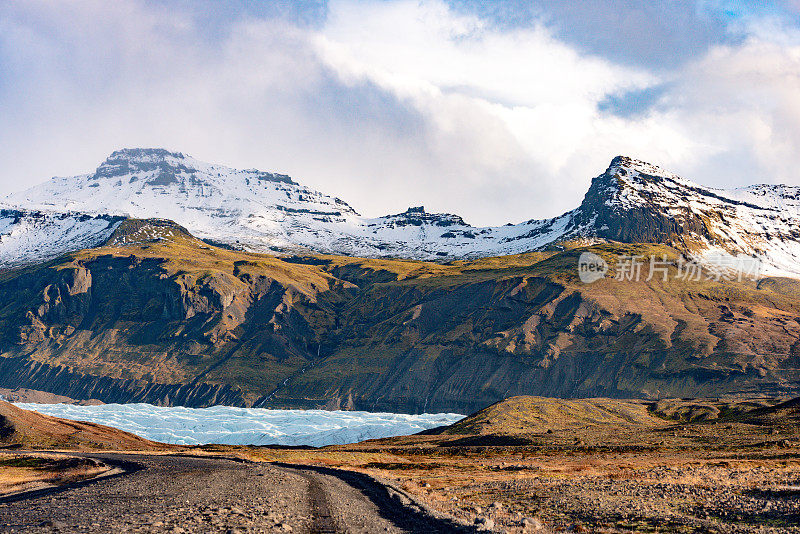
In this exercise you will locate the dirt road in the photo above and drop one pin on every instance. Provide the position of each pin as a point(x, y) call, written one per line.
point(187, 494)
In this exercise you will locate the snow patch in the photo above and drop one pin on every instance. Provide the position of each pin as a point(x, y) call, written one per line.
point(31, 236)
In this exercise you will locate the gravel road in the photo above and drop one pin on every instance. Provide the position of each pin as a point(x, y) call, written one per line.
point(188, 494)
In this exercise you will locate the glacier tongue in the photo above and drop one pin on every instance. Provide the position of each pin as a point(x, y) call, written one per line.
point(246, 426)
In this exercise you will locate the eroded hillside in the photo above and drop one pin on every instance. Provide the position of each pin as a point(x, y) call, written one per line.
point(158, 316)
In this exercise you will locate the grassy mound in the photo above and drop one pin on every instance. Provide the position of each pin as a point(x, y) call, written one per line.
point(531, 415)
point(26, 429)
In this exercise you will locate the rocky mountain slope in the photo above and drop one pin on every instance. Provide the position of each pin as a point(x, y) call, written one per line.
point(156, 315)
point(635, 202)
point(632, 202)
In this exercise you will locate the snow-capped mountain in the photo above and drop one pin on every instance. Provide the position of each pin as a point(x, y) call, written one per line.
point(259, 211)
point(632, 201)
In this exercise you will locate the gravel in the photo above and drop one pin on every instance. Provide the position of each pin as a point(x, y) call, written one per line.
point(181, 494)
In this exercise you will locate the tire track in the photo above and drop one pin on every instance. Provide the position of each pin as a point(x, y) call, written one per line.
point(319, 504)
point(339, 512)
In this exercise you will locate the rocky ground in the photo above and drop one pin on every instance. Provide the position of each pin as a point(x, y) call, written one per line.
point(612, 493)
point(179, 494)
point(540, 467)
point(499, 489)
point(524, 465)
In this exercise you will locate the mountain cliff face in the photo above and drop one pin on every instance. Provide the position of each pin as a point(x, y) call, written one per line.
point(635, 202)
point(158, 316)
point(631, 202)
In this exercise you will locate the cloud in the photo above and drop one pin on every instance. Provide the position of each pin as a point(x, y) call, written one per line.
point(524, 103)
point(642, 33)
point(740, 104)
point(391, 104)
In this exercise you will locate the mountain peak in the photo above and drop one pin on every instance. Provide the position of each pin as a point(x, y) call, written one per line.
point(139, 154)
point(417, 216)
point(628, 181)
point(141, 231)
point(625, 165)
point(160, 165)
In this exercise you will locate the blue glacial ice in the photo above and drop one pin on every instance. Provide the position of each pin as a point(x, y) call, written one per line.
point(247, 426)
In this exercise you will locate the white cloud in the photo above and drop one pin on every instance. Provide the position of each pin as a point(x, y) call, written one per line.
point(739, 106)
point(516, 106)
point(387, 104)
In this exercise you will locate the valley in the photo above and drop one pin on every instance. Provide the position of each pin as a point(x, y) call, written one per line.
point(654, 396)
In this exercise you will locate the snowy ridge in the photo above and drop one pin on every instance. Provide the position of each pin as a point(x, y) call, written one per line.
point(632, 201)
point(247, 426)
point(761, 221)
point(28, 236)
point(266, 212)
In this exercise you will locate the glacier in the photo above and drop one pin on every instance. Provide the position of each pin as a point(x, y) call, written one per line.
point(246, 426)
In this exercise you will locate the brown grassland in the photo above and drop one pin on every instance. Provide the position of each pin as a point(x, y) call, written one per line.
point(533, 464)
point(596, 465)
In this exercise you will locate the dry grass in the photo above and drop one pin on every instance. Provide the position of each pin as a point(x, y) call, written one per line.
point(182, 254)
point(527, 414)
point(604, 466)
point(24, 472)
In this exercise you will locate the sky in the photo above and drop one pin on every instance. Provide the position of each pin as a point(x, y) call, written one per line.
point(498, 111)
